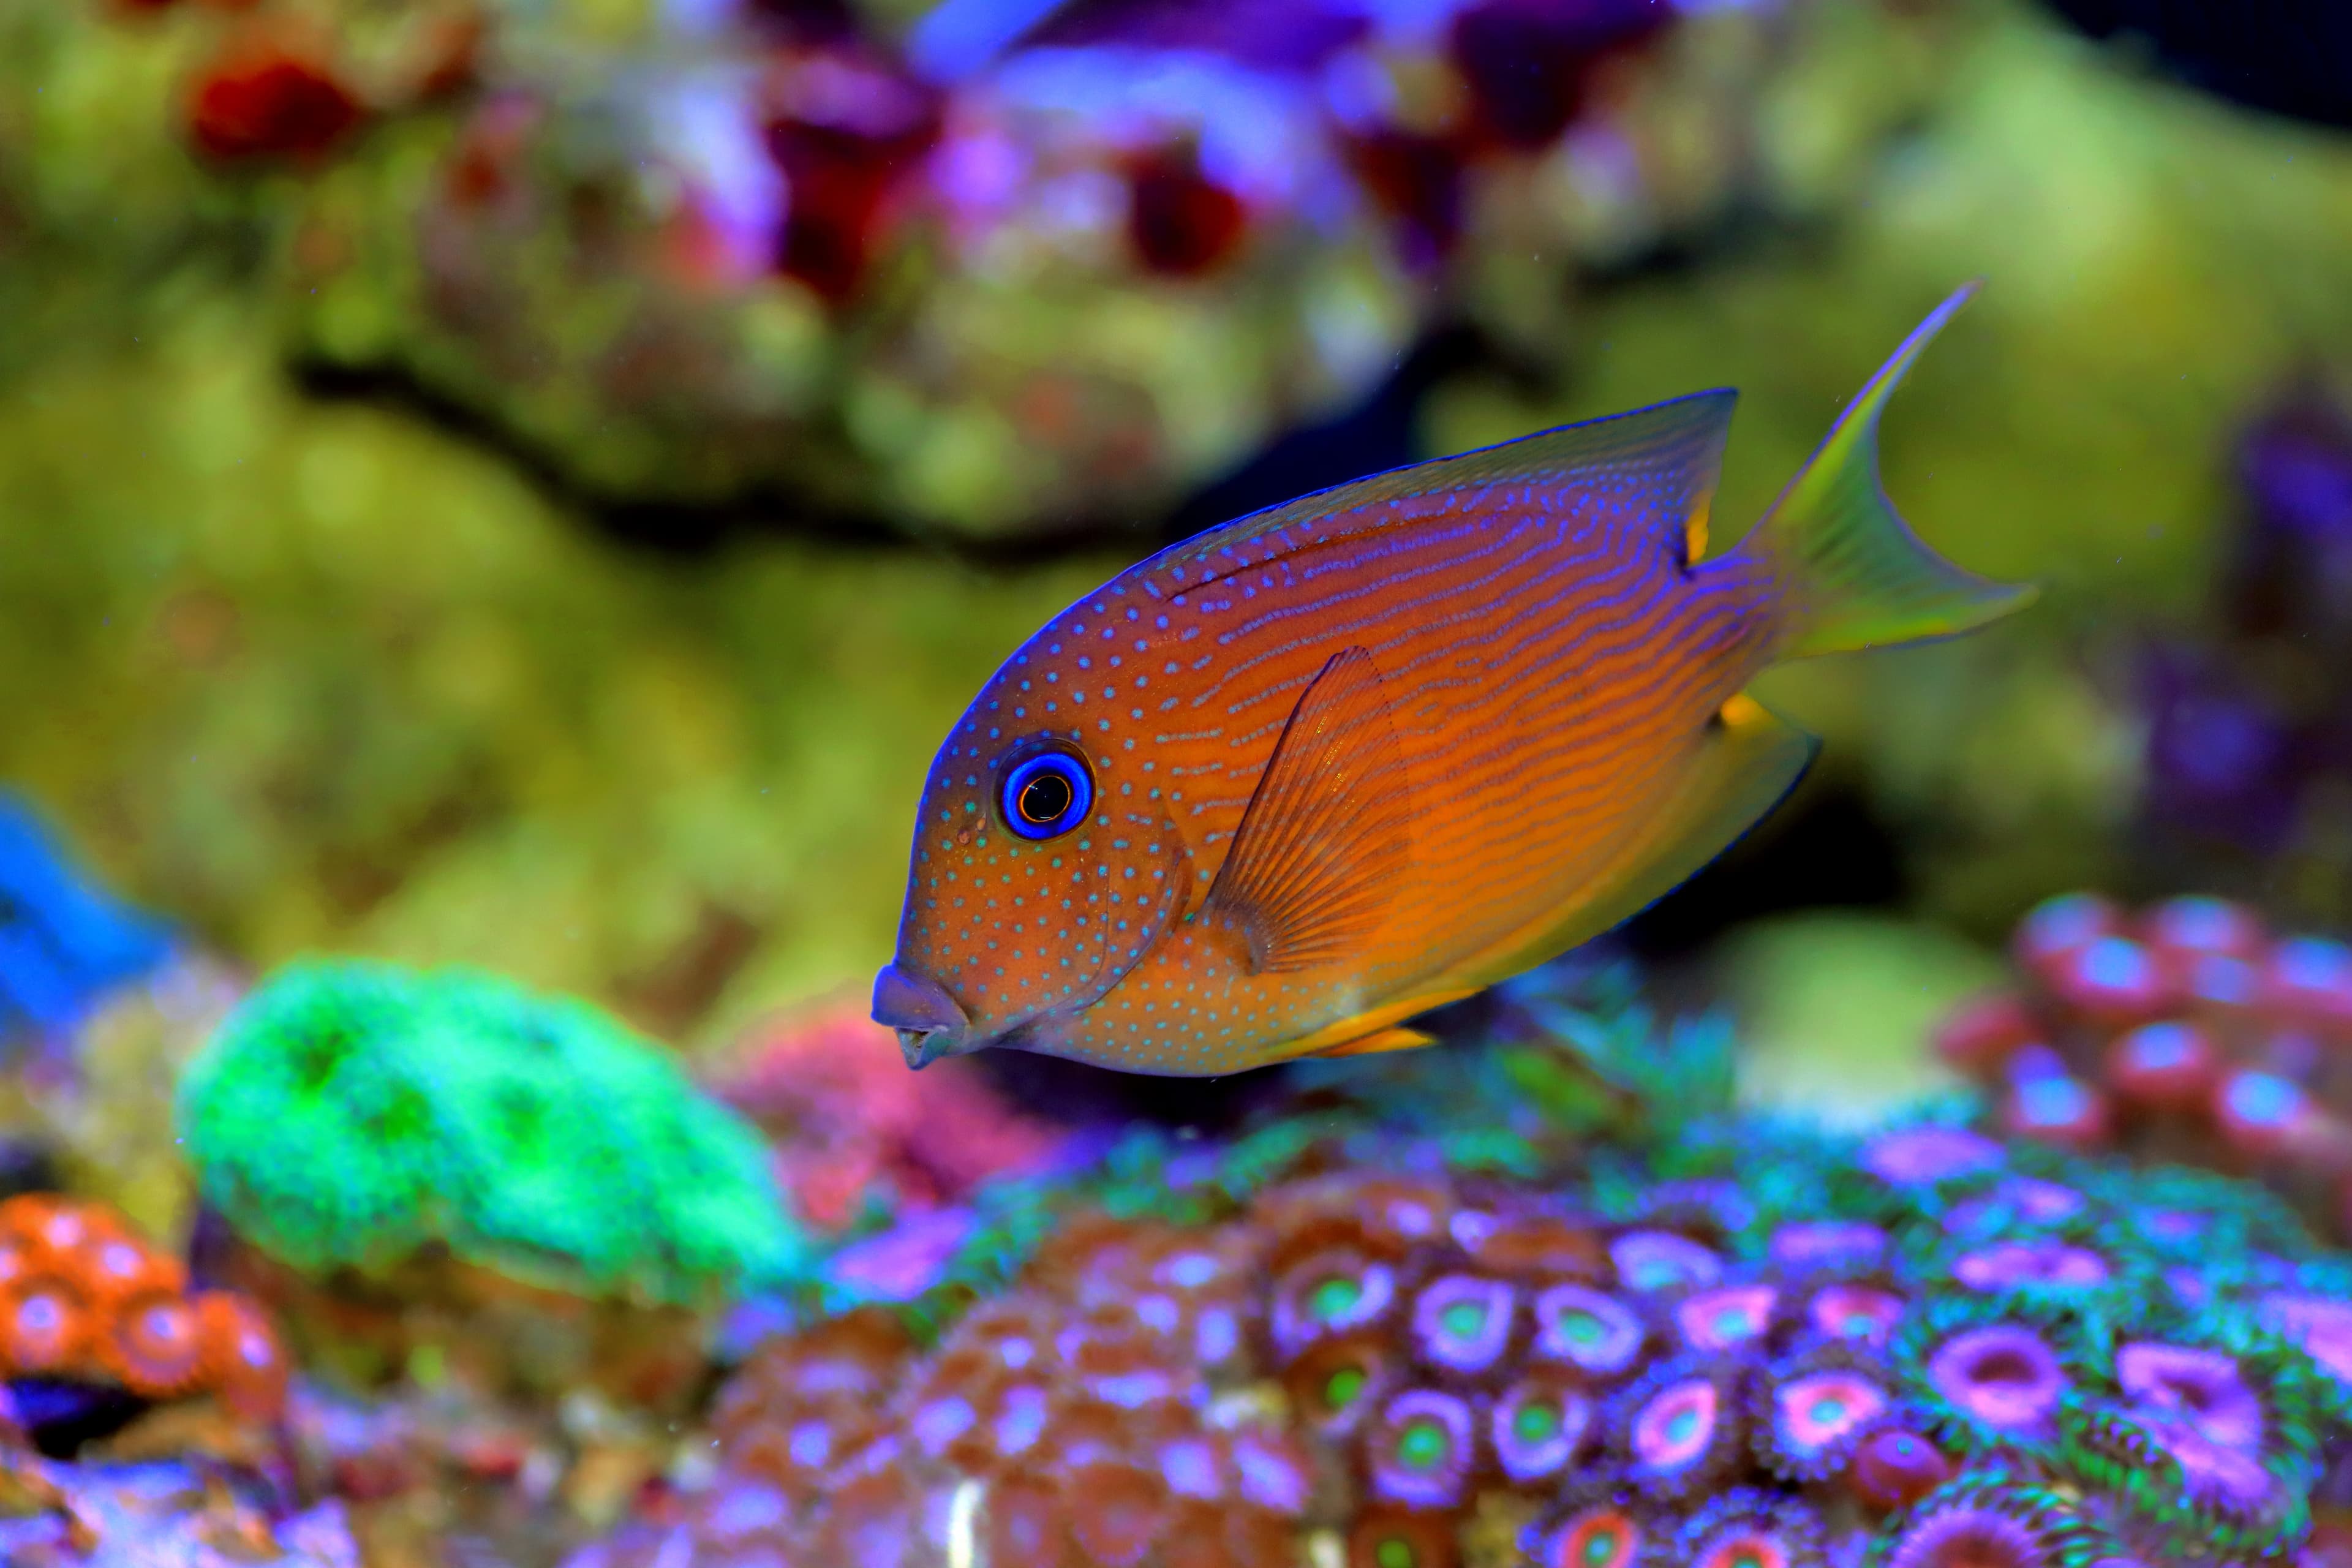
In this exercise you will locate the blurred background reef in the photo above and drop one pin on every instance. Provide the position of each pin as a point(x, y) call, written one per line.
point(500, 499)
point(529, 484)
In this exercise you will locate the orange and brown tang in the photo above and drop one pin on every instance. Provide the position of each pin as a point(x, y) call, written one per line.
point(1282, 787)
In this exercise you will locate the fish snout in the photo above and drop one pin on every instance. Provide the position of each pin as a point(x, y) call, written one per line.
point(929, 1023)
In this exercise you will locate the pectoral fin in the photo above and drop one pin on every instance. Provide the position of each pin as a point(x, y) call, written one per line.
point(1315, 861)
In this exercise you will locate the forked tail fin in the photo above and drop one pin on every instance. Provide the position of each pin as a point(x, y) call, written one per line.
point(1850, 573)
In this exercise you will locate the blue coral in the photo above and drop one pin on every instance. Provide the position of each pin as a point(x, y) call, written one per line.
point(63, 941)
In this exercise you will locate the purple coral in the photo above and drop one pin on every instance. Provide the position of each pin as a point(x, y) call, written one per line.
point(2003, 1377)
point(1539, 1428)
point(1818, 1417)
point(1677, 1429)
point(2205, 1389)
point(2046, 1263)
point(1969, 1534)
point(1725, 1318)
point(1421, 1453)
point(1588, 1330)
point(1747, 1528)
point(1657, 1261)
point(1861, 1314)
point(2322, 1325)
point(1606, 1531)
point(1929, 1156)
point(1330, 1294)
point(1463, 1324)
point(1832, 1244)
point(2216, 1476)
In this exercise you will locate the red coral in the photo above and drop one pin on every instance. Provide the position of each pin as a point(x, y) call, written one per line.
point(46, 1327)
point(82, 1297)
point(243, 1360)
point(1179, 221)
point(2185, 1032)
point(1072, 1413)
point(264, 97)
point(832, 1088)
point(847, 129)
point(155, 1347)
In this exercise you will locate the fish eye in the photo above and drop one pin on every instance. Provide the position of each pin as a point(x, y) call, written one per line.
point(1046, 795)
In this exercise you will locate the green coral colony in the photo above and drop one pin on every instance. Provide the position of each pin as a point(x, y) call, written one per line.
point(351, 1115)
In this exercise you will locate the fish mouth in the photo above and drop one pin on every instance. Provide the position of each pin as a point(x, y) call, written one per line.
point(930, 1024)
point(921, 1048)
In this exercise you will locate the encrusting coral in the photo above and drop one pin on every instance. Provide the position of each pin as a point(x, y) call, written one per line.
point(2185, 1032)
point(1753, 1347)
point(446, 1162)
point(85, 1301)
point(353, 1113)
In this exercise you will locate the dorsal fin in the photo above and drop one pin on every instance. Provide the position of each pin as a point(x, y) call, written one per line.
point(1665, 458)
point(1322, 848)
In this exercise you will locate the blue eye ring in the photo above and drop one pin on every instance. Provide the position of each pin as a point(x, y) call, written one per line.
point(1047, 794)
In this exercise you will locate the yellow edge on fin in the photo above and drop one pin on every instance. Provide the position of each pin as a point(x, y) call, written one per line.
point(1371, 1021)
point(1751, 759)
point(1386, 1040)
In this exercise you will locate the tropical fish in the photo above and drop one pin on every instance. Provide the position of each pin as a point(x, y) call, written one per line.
point(1283, 786)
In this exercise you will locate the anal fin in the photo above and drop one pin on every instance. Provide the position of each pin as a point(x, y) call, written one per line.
point(1750, 760)
point(1384, 1040)
point(1334, 1039)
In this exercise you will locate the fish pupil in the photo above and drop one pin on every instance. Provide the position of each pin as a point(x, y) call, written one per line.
point(1044, 798)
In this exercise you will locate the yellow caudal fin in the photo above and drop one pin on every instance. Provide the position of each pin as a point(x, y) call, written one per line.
point(1850, 573)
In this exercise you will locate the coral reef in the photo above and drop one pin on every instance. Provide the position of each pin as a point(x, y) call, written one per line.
point(93, 1319)
point(379, 1139)
point(991, 271)
point(1750, 1345)
point(406, 704)
point(1092, 1413)
point(148, 1515)
point(2186, 1032)
point(854, 1128)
